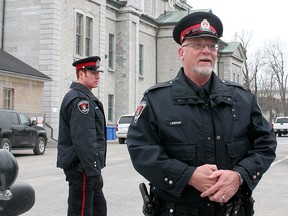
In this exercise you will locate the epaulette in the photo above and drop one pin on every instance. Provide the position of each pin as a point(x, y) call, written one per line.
point(159, 85)
point(231, 83)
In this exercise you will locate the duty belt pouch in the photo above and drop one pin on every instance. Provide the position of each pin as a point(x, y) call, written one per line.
point(150, 203)
point(248, 205)
point(229, 209)
point(234, 206)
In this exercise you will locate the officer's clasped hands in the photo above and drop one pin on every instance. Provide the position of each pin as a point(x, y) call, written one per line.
point(214, 183)
point(226, 186)
point(201, 177)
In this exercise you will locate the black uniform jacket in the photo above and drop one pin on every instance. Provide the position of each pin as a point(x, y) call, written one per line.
point(174, 132)
point(82, 131)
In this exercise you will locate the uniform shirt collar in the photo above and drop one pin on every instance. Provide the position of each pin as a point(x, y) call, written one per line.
point(181, 88)
point(84, 89)
point(206, 86)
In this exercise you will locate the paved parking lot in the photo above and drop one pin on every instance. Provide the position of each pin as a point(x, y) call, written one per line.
point(121, 183)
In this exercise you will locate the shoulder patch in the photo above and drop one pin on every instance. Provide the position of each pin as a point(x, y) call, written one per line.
point(83, 106)
point(139, 111)
point(159, 85)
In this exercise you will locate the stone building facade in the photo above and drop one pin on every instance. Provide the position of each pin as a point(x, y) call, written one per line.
point(21, 86)
point(133, 39)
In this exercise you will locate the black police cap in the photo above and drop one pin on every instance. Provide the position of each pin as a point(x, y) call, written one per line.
point(89, 63)
point(198, 24)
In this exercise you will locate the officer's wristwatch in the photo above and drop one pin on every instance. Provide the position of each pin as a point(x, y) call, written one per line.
point(240, 177)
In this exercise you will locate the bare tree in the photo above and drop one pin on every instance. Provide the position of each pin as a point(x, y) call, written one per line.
point(255, 64)
point(276, 62)
point(267, 101)
point(244, 38)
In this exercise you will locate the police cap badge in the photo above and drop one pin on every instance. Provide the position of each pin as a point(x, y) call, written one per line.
point(198, 24)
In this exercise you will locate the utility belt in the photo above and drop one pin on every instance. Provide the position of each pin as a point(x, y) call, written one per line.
point(183, 209)
point(215, 209)
point(238, 205)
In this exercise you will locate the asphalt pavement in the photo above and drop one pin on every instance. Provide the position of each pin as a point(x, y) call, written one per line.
point(121, 183)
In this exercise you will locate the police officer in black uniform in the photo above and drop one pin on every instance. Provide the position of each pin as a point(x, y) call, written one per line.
point(201, 142)
point(82, 141)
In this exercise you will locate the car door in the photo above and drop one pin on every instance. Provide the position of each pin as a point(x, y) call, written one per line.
point(24, 133)
point(5, 129)
point(29, 133)
point(16, 128)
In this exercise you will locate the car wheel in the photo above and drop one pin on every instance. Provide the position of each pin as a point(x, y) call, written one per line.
point(40, 146)
point(121, 140)
point(5, 144)
point(279, 134)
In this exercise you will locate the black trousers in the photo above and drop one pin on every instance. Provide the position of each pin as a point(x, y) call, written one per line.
point(81, 200)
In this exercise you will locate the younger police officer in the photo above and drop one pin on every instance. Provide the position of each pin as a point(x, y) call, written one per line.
point(202, 143)
point(82, 142)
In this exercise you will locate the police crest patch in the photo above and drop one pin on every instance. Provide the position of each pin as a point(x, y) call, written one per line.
point(83, 106)
point(139, 111)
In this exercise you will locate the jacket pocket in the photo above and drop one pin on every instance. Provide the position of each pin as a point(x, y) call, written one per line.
point(180, 151)
point(238, 148)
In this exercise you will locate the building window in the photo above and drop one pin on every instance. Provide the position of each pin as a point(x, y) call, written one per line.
point(88, 36)
point(141, 60)
point(111, 57)
point(84, 35)
point(79, 34)
point(110, 107)
point(8, 96)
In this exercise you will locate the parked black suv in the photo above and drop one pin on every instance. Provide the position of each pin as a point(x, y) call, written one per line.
point(18, 132)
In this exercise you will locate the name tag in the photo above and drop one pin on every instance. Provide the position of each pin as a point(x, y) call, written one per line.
point(175, 123)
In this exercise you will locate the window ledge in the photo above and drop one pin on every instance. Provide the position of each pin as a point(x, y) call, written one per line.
point(111, 70)
point(141, 76)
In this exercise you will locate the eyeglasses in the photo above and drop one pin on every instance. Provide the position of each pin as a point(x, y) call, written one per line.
point(200, 46)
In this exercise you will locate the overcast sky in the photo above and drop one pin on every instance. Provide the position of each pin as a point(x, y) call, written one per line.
point(267, 20)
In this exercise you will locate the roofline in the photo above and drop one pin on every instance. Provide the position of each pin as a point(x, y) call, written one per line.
point(149, 19)
point(24, 76)
point(117, 4)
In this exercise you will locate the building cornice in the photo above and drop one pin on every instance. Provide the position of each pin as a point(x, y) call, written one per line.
point(117, 4)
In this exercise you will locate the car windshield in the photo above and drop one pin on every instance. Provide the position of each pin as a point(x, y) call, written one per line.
point(125, 119)
point(282, 120)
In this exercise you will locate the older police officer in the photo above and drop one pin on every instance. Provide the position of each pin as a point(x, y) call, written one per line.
point(202, 143)
point(82, 141)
